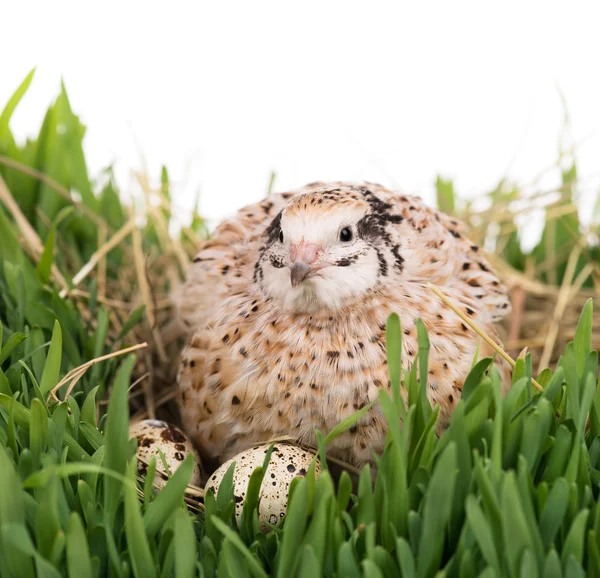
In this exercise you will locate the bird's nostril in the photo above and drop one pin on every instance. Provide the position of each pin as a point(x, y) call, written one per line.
point(310, 253)
point(305, 252)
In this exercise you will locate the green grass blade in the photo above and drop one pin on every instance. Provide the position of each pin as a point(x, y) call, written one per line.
point(515, 529)
point(185, 545)
point(12, 514)
point(475, 376)
point(252, 563)
point(17, 551)
point(22, 419)
point(14, 101)
point(136, 316)
point(139, 548)
point(583, 336)
point(405, 557)
point(38, 430)
point(231, 562)
point(347, 423)
point(53, 360)
point(552, 566)
point(554, 511)
point(310, 567)
point(117, 436)
point(346, 562)
point(574, 543)
point(11, 344)
point(394, 360)
point(371, 569)
point(482, 532)
point(91, 434)
point(436, 511)
point(424, 345)
point(169, 498)
point(44, 265)
point(445, 195)
point(295, 526)
point(88, 409)
point(78, 556)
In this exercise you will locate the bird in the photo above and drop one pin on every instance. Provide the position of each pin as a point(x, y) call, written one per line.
point(286, 308)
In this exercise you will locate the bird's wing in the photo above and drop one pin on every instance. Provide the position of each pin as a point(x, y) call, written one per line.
point(225, 260)
point(436, 250)
point(472, 271)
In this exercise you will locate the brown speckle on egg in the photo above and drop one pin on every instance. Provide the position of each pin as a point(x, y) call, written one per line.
point(155, 435)
point(287, 462)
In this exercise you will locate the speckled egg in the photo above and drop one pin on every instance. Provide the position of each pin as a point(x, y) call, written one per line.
point(153, 435)
point(287, 462)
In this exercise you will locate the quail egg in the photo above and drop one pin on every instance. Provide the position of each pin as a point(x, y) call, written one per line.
point(287, 462)
point(153, 435)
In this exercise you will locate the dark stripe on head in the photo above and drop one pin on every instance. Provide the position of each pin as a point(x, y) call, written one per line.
point(372, 227)
point(346, 261)
point(274, 229)
point(383, 266)
point(399, 259)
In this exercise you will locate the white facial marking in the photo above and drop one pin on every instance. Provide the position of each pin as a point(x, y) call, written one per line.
point(342, 269)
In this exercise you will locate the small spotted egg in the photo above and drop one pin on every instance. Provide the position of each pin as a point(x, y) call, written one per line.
point(287, 462)
point(153, 435)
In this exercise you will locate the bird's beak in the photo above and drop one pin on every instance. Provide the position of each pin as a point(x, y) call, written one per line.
point(299, 271)
point(305, 262)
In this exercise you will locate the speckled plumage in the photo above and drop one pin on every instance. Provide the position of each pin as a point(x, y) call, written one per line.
point(267, 358)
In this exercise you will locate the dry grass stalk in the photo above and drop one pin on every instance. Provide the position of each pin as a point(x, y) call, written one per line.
point(148, 389)
point(137, 382)
point(582, 244)
point(518, 306)
point(545, 315)
point(101, 277)
point(131, 392)
point(50, 182)
point(480, 332)
point(119, 290)
point(33, 244)
point(561, 302)
point(568, 291)
point(168, 395)
point(545, 305)
point(117, 304)
point(146, 292)
point(162, 226)
point(115, 240)
point(506, 220)
point(75, 375)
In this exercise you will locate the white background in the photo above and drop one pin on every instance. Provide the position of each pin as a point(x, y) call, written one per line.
point(396, 92)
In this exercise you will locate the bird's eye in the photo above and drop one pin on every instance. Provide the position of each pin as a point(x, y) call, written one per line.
point(281, 236)
point(346, 235)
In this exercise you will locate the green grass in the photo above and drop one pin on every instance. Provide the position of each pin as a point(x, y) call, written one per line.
point(510, 489)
